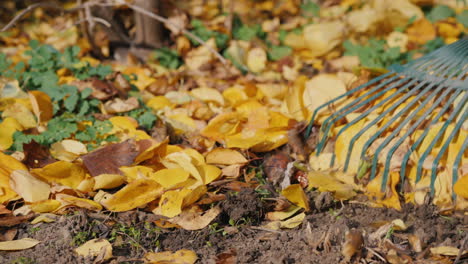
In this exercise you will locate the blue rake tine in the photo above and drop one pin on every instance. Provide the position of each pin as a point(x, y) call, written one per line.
point(420, 139)
point(456, 164)
point(381, 116)
point(438, 137)
point(356, 105)
point(444, 148)
point(360, 87)
point(400, 127)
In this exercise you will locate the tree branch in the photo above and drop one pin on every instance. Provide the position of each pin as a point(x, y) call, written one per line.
point(166, 21)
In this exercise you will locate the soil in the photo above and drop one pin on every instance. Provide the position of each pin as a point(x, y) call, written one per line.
point(235, 236)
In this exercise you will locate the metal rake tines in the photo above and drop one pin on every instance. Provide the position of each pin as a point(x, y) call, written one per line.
point(430, 92)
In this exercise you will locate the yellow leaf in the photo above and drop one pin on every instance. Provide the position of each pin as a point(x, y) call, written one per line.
point(460, 187)
point(68, 150)
point(95, 247)
point(45, 206)
point(137, 193)
point(62, 172)
point(447, 251)
point(273, 138)
point(41, 105)
point(7, 165)
point(194, 195)
point(78, 202)
point(136, 172)
point(320, 89)
point(19, 244)
point(171, 202)
point(327, 182)
point(294, 100)
point(197, 158)
point(222, 125)
point(22, 114)
point(159, 102)
point(235, 96)
point(421, 31)
point(281, 215)
point(295, 194)
point(323, 37)
point(256, 59)
point(168, 178)
point(388, 198)
point(46, 218)
point(183, 256)
point(7, 128)
point(28, 187)
point(193, 220)
point(293, 221)
point(181, 160)
point(225, 156)
point(209, 173)
point(208, 95)
point(108, 181)
point(200, 56)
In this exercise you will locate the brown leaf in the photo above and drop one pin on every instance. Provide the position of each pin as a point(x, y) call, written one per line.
point(4, 210)
point(118, 105)
point(295, 141)
point(8, 234)
point(109, 158)
point(353, 244)
point(102, 90)
point(11, 220)
point(227, 257)
point(275, 165)
point(36, 156)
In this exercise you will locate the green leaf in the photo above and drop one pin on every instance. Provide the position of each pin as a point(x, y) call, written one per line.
point(168, 58)
point(463, 18)
point(440, 12)
point(310, 9)
point(147, 120)
point(278, 52)
point(71, 101)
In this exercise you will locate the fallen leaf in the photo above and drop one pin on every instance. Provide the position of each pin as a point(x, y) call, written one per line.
point(7, 128)
point(68, 150)
point(29, 187)
point(447, 251)
point(62, 172)
point(353, 244)
point(193, 220)
point(183, 256)
point(224, 156)
point(327, 182)
point(109, 158)
point(295, 194)
point(137, 193)
point(19, 244)
point(41, 105)
point(46, 218)
point(94, 248)
point(118, 105)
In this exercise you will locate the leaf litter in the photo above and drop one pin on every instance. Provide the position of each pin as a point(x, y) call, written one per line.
point(83, 137)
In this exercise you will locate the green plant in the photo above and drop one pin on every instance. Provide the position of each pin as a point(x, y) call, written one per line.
point(33, 230)
point(389, 233)
point(23, 260)
point(81, 237)
point(205, 34)
point(168, 58)
point(215, 229)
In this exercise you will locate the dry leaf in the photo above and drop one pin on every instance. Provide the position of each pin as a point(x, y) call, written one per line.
point(19, 244)
point(94, 248)
point(295, 194)
point(183, 256)
point(29, 187)
point(224, 156)
point(193, 220)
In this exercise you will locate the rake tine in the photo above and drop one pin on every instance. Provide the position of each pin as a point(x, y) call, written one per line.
point(438, 136)
point(400, 127)
point(420, 139)
point(350, 107)
point(456, 164)
point(360, 87)
point(445, 148)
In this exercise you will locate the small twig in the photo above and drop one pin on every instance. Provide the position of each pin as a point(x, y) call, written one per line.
point(464, 244)
point(96, 19)
point(376, 254)
point(264, 229)
point(131, 238)
point(166, 21)
point(27, 10)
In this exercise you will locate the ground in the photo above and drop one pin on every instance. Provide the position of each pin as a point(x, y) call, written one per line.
point(235, 236)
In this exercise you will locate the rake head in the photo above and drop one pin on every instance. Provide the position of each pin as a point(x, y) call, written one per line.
point(411, 120)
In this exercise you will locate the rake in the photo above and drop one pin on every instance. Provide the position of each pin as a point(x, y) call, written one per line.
point(415, 96)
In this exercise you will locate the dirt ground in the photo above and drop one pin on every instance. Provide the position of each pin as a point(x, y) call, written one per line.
point(235, 236)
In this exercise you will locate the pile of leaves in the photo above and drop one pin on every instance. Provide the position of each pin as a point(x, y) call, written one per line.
point(173, 135)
